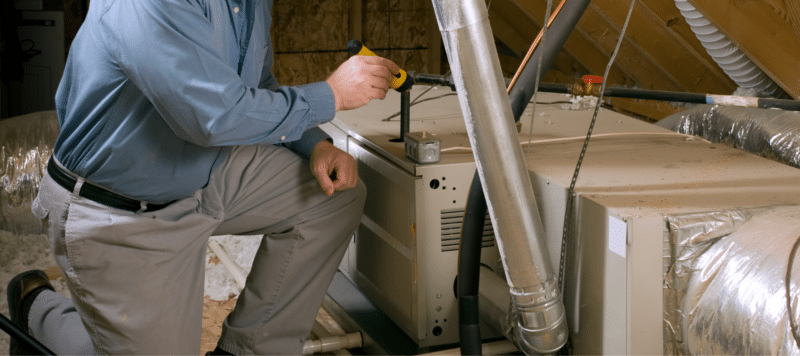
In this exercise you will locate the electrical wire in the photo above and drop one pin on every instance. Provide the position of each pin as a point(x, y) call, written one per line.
point(539, 67)
point(573, 138)
point(413, 102)
point(571, 192)
point(787, 283)
point(429, 89)
point(416, 101)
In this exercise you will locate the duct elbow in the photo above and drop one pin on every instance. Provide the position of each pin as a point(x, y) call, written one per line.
point(542, 326)
point(548, 333)
point(534, 343)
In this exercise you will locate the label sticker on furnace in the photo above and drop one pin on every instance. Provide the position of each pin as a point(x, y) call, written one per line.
point(617, 235)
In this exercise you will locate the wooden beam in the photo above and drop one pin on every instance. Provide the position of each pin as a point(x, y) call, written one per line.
point(792, 9)
point(653, 56)
point(434, 42)
point(762, 34)
point(591, 44)
point(669, 53)
point(667, 12)
point(577, 46)
point(515, 27)
point(603, 34)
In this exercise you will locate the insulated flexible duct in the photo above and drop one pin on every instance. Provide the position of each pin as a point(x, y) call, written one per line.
point(726, 290)
point(735, 63)
point(26, 142)
point(773, 134)
point(487, 113)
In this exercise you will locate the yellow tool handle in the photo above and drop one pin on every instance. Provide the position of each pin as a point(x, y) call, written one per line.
point(400, 82)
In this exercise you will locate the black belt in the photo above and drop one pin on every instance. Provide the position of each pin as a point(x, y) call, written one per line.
point(99, 194)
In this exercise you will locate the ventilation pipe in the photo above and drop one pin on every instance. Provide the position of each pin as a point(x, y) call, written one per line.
point(498, 155)
point(735, 63)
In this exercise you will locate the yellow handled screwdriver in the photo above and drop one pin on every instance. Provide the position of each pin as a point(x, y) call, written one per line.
point(401, 81)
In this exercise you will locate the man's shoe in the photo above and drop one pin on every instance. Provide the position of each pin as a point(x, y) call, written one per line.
point(218, 351)
point(22, 290)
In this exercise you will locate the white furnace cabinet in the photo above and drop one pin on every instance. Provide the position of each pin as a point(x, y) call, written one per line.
point(635, 175)
point(405, 252)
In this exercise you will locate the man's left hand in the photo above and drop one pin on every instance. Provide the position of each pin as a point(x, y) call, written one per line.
point(334, 169)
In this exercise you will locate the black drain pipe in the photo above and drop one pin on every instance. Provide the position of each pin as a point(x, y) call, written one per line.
point(476, 208)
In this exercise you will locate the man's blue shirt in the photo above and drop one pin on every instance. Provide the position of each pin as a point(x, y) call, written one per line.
point(155, 92)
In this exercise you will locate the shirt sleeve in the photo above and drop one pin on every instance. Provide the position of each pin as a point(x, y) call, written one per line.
point(310, 137)
point(166, 49)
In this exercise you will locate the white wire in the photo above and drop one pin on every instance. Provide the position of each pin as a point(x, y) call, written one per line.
point(539, 67)
point(575, 138)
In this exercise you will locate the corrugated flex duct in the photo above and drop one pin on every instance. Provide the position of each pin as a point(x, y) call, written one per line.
point(773, 134)
point(26, 142)
point(725, 292)
point(733, 61)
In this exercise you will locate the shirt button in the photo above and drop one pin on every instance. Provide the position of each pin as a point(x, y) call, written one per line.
point(283, 138)
point(236, 9)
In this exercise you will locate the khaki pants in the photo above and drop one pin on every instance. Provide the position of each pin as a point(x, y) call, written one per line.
point(137, 279)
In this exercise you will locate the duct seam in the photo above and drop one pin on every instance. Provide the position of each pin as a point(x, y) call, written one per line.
point(503, 174)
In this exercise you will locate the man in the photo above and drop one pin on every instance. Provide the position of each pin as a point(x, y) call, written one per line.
point(173, 129)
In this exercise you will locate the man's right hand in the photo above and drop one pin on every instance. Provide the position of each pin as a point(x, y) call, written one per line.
point(361, 79)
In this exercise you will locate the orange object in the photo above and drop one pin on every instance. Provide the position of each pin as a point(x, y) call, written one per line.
point(592, 79)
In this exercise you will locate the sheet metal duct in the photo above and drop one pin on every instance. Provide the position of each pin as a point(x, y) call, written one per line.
point(773, 134)
point(725, 291)
point(26, 142)
point(498, 155)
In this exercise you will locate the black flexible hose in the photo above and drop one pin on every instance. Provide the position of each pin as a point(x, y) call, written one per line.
point(14, 331)
point(474, 216)
point(767, 103)
point(469, 258)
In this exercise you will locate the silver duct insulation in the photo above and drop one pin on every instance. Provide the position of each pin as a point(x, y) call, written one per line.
point(734, 62)
point(774, 134)
point(26, 142)
point(496, 306)
point(725, 292)
point(495, 302)
point(690, 236)
point(498, 155)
